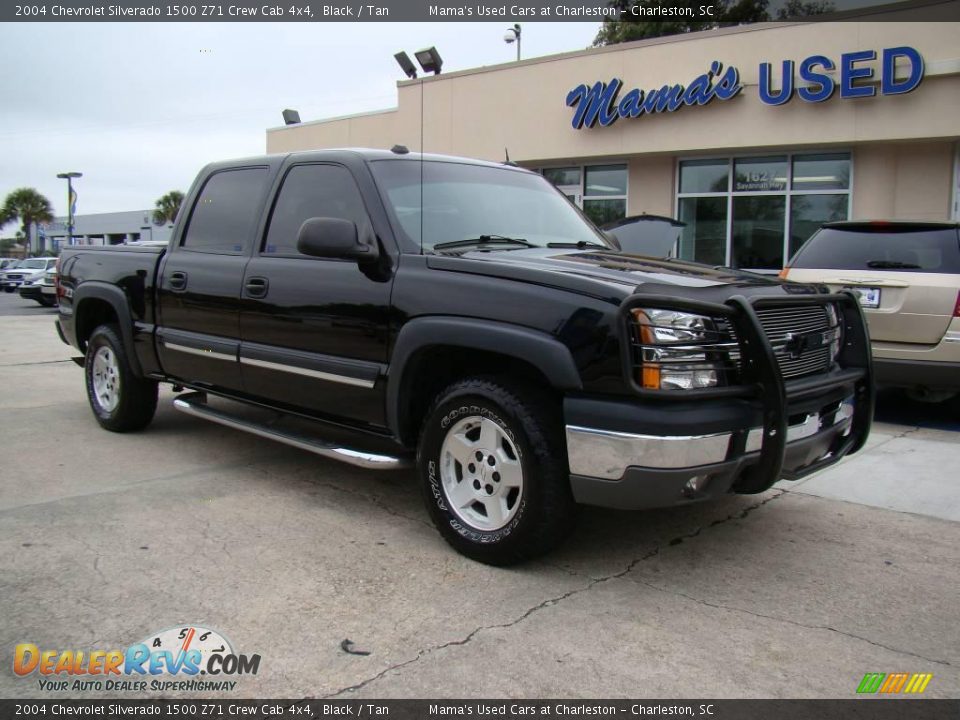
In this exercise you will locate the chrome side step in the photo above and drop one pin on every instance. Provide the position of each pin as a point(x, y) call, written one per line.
point(195, 404)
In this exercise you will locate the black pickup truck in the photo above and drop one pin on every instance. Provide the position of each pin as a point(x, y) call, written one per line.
point(385, 308)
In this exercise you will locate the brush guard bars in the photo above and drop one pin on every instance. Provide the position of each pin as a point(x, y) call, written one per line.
point(671, 447)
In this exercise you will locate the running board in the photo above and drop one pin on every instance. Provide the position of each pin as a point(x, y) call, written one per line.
point(195, 404)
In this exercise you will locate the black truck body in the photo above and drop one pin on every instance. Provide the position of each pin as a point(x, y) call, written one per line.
point(329, 304)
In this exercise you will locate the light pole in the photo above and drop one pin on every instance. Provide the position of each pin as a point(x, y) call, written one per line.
point(513, 34)
point(69, 176)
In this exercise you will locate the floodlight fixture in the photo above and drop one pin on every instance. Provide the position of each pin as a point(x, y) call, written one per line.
point(406, 64)
point(429, 60)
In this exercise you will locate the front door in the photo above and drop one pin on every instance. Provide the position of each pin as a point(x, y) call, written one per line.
point(314, 330)
point(199, 286)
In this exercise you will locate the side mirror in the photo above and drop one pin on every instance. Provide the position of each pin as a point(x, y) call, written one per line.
point(334, 238)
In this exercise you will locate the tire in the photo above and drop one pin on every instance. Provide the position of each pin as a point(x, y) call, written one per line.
point(507, 509)
point(47, 302)
point(121, 402)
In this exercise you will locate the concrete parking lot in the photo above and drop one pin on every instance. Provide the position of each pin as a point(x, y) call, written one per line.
point(106, 539)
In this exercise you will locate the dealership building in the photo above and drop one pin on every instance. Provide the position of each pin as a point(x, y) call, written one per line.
point(114, 228)
point(752, 136)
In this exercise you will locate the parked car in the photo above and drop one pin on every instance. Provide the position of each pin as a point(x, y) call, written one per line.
point(42, 289)
point(907, 275)
point(464, 316)
point(27, 270)
point(8, 263)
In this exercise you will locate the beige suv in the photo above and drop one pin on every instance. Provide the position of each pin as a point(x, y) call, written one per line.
point(908, 277)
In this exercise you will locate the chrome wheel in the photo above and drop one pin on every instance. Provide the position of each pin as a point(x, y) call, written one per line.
point(481, 473)
point(106, 379)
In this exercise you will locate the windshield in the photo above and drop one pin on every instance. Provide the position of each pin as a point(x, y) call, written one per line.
point(467, 202)
point(904, 250)
point(33, 264)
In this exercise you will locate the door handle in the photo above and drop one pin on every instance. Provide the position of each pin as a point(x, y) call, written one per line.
point(257, 287)
point(178, 281)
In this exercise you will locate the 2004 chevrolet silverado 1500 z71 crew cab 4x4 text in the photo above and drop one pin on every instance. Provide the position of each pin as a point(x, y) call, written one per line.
point(380, 307)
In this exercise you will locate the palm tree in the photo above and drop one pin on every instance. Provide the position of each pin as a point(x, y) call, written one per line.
point(167, 208)
point(28, 205)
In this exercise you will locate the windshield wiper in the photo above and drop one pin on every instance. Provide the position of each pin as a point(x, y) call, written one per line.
point(580, 245)
point(484, 240)
point(892, 265)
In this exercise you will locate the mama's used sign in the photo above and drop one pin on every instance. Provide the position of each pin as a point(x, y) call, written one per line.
point(603, 104)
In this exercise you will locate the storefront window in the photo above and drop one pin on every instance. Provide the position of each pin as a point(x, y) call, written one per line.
point(758, 231)
point(606, 180)
point(602, 212)
point(605, 193)
point(563, 176)
point(765, 213)
point(602, 193)
point(809, 212)
point(821, 172)
point(704, 176)
point(762, 174)
point(704, 239)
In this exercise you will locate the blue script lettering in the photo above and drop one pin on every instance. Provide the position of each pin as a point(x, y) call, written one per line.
point(598, 103)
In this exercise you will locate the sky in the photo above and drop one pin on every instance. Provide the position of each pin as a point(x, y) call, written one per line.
point(139, 108)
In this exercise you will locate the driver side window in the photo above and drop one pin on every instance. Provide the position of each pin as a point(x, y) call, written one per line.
point(310, 191)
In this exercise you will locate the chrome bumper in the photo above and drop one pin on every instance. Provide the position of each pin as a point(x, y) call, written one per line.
point(606, 454)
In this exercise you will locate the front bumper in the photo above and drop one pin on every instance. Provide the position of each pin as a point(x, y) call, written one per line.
point(676, 450)
point(31, 292)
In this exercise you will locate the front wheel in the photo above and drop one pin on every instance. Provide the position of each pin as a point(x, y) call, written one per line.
point(492, 465)
point(121, 401)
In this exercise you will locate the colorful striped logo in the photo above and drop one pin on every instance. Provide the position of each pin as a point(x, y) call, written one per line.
point(892, 683)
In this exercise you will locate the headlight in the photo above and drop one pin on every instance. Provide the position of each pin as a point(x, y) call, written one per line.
point(682, 351)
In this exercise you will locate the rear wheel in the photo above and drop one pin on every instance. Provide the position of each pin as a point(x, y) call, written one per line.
point(491, 461)
point(121, 402)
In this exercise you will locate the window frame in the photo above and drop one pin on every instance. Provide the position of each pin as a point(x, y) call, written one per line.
point(789, 192)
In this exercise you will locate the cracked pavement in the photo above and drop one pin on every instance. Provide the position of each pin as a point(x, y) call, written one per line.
point(107, 538)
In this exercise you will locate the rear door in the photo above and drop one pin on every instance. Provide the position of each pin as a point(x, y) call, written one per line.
point(315, 330)
point(908, 275)
point(199, 287)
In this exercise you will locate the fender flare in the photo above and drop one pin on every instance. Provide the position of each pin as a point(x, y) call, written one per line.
point(543, 351)
point(117, 299)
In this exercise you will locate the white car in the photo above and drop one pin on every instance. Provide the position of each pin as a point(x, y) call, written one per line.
point(26, 271)
point(43, 289)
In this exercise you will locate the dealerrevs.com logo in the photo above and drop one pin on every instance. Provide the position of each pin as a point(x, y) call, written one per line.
point(186, 657)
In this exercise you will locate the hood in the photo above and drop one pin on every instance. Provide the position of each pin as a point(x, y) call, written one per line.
point(610, 269)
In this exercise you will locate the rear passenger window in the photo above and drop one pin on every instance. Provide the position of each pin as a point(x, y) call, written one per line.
point(311, 191)
point(226, 212)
